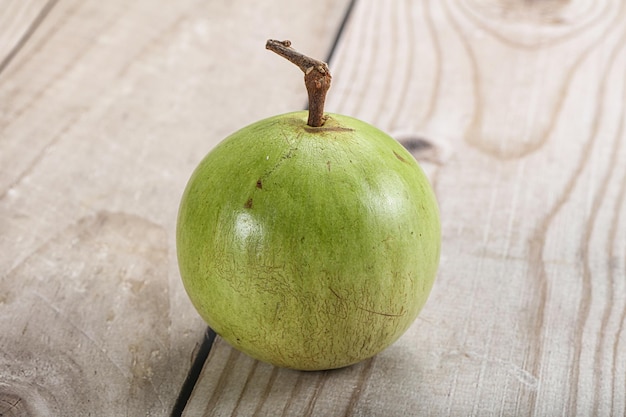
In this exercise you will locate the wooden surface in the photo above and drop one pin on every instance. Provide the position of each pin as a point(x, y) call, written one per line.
point(515, 109)
point(105, 109)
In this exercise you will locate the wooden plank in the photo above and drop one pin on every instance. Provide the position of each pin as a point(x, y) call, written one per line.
point(516, 110)
point(19, 20)
point(106, 109)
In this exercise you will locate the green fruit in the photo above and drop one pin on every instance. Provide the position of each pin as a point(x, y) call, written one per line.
point(308, 247)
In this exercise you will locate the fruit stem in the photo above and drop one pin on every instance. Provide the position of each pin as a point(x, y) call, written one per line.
point(316, 78)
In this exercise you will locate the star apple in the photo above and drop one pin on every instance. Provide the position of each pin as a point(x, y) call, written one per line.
point(308, 247)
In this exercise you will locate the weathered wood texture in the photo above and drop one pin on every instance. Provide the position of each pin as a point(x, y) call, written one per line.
point(105, 109)
point(517, 111)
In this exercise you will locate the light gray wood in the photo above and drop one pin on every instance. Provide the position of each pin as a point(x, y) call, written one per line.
point(18, 21)
point(105, 109)
point(522, 104)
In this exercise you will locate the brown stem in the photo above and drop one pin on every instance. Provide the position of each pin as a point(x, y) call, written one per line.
point(316, 78)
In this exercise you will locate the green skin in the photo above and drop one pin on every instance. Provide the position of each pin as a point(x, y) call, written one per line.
point(308, 248)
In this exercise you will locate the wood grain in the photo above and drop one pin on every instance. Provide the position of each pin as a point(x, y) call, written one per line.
point(20, 19)
point(105, 109)
point(516, 110)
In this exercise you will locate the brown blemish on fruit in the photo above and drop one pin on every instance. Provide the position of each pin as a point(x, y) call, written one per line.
point(399, 156)
point(328, 165)
point(248, 204)
point(323, 129)
point(259, 184)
